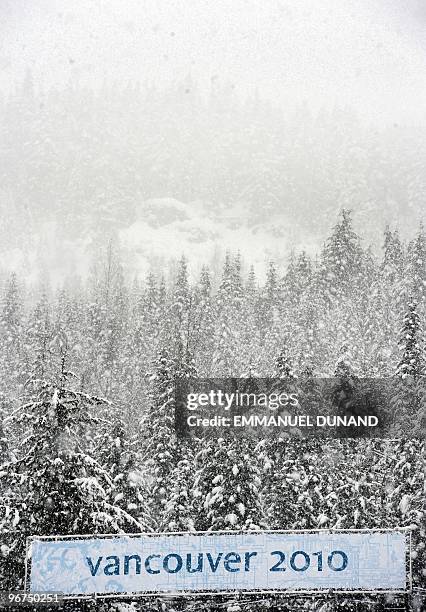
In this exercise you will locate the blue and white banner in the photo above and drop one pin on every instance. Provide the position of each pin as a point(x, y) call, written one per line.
point(220, 562)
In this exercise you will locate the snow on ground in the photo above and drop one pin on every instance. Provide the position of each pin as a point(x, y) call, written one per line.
point(167, 228)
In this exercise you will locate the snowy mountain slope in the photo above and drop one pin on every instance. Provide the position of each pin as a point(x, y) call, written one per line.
point(167, 228)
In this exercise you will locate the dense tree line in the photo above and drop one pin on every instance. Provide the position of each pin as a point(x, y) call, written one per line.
point(345, 305)
point(77, 164)
point(87, 381)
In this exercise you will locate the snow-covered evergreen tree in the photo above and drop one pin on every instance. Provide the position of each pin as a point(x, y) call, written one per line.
point(342, 259)
point(118, 456)
point(417, 266)
point(282, 476)
point(11, 342)
point(408, 402)
point(54, 485)
point(38, 337)
point(225, 357)
point(182, 507)
point(203, 328)
point(228, 484)
point(412, 362)
point(393, 256)
point(159, 434)
point(179, 316)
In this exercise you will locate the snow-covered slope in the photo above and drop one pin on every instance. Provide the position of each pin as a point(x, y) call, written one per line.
point(167, 228)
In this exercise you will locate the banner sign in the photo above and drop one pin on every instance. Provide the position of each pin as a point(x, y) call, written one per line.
point(220, 562)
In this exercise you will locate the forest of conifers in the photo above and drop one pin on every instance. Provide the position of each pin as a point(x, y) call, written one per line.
point(87, 372)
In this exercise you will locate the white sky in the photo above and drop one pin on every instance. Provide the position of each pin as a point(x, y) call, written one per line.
point(370, 54)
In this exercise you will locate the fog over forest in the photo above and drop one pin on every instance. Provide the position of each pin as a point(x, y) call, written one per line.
point(180, 131)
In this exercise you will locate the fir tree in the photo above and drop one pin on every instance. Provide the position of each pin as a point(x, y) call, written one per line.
point(201, 341)
point(55, 485)
point(11, 349)
point(227, 300)
point(408, 402)
point(147, 322)
point(412, 362)
point(237, 281)
point(342, 259)
point(228, 485)
point(181, 509)
point(250, 334)
point(119, 458)
point(39, 335)
point(393, 256)
point(268, 302)
point(417, 265)
point(160, 435)
point(251, 285)
point(286, 483)
point(180, 306)
point(273, 336)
